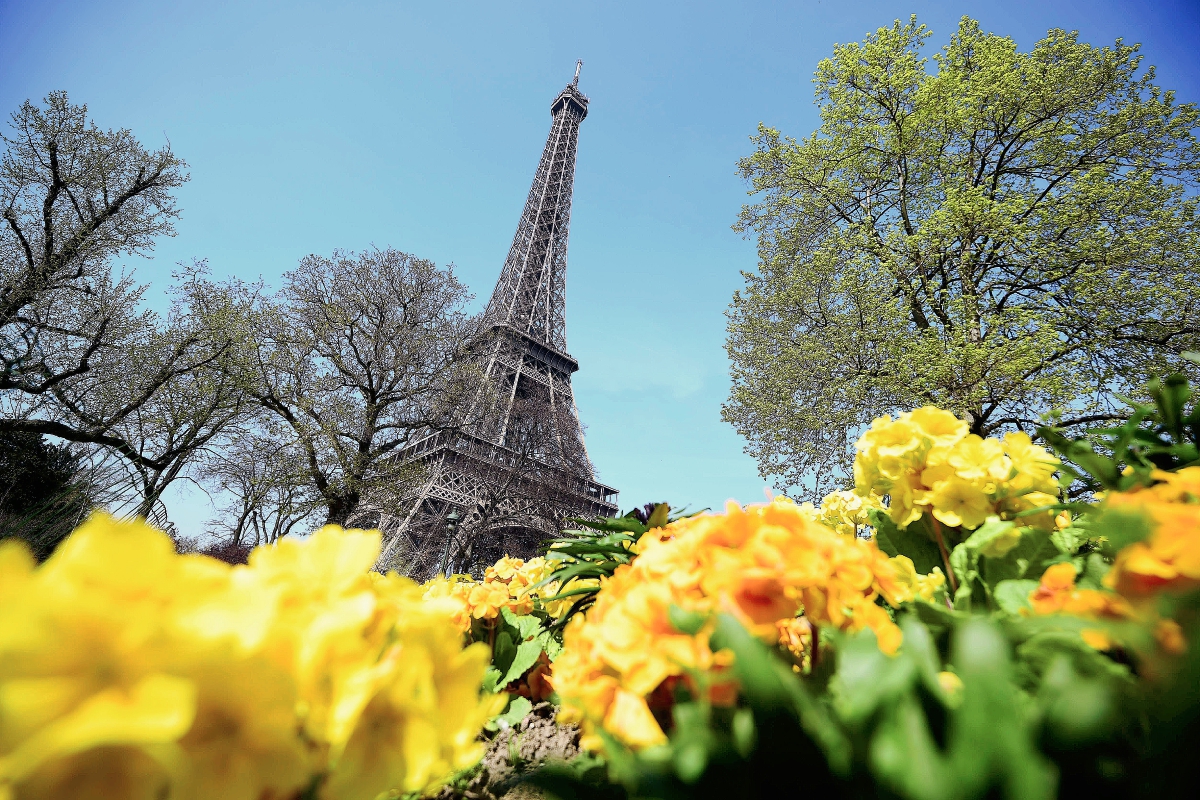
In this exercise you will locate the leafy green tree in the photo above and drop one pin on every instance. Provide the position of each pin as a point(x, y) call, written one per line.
point(1002, 233)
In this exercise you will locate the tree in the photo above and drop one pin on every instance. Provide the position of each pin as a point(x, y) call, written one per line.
point(355, 356)
point(43, 491)
point(79, 358)
point(1007, 235)
point(268, 493)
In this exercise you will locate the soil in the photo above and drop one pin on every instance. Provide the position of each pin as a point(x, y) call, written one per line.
point(514, 753)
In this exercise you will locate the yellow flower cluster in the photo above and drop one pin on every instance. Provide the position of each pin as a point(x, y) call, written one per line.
point(1170, 559)
point(762, 564)
point(925, 461)
point(847, 512)
point(913, 585)
point(510, 583)
point(127, 671)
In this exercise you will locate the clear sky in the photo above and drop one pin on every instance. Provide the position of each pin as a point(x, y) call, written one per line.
point(314, 126)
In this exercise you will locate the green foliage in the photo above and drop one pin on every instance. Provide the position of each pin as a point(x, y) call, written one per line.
point(1161, 435)
point(999, 233)
point(596, 549)
point(42, 493)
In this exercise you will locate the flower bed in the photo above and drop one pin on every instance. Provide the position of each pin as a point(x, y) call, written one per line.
point(951, 627)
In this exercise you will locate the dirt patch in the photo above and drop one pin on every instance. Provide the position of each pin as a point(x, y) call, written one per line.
point(515, 752)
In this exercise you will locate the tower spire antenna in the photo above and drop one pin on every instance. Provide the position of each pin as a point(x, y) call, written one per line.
point(578, 65)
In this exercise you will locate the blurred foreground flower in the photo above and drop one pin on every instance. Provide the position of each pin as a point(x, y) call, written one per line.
point(1169, 560)
point(127, 671)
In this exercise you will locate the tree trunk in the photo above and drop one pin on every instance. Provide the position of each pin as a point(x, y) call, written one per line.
point(341, 508)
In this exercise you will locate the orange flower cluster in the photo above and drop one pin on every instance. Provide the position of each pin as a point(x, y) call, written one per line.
point(1170, 559)
point(509, 583)
point(762, 564)
point(1058, 594)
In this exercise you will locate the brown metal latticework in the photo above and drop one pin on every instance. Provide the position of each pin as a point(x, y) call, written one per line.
point(504, 483)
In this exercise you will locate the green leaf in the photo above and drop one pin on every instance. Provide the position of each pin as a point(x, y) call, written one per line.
point(689, 622)
point(518, 708)
point(658, 517)
point(550, 645)
point(990, 740)
point(744, 731)
point(626, 524)
point(1027, 560)
point(526, 626)
point(911, 542)
point(691, 759)
point(1013, 595)
point(525, 656)
point(905, 756)
point(503, 651)
point(490, 678)
point(1068, 540)
point(979, 573)
point(1094, 570)
point(1119, 528)
point(868, 679)
point(770, 685)
point(936, 614)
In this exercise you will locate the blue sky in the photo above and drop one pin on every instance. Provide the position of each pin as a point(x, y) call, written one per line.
point(314, 126)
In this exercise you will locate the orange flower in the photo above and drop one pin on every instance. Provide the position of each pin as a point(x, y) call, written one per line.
point(487, 599)
point(1057, 594)
point(1170, 558)
point(762, 564)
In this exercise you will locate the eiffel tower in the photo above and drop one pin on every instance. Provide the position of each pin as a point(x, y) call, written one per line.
point(504, 483)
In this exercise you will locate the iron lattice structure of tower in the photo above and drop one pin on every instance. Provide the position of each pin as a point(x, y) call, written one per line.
point(504, 481)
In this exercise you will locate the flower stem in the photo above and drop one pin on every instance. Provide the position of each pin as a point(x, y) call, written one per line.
point(941, 542)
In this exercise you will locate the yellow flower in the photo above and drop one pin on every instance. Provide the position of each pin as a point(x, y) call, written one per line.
point(243, 743)
point(409, 720)
point(846, 512)
point(959, 503)
point(486, 599)
point(913, 584)
point(926, 462)
point(155, 710)
point(630, 720)
point(978, 460)
point(941, 427)
point(1034, 466)
point(127, 671)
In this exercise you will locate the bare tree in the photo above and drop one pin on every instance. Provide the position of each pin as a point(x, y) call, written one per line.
point(79, 358)
point(355, 356)
point(262, 477)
